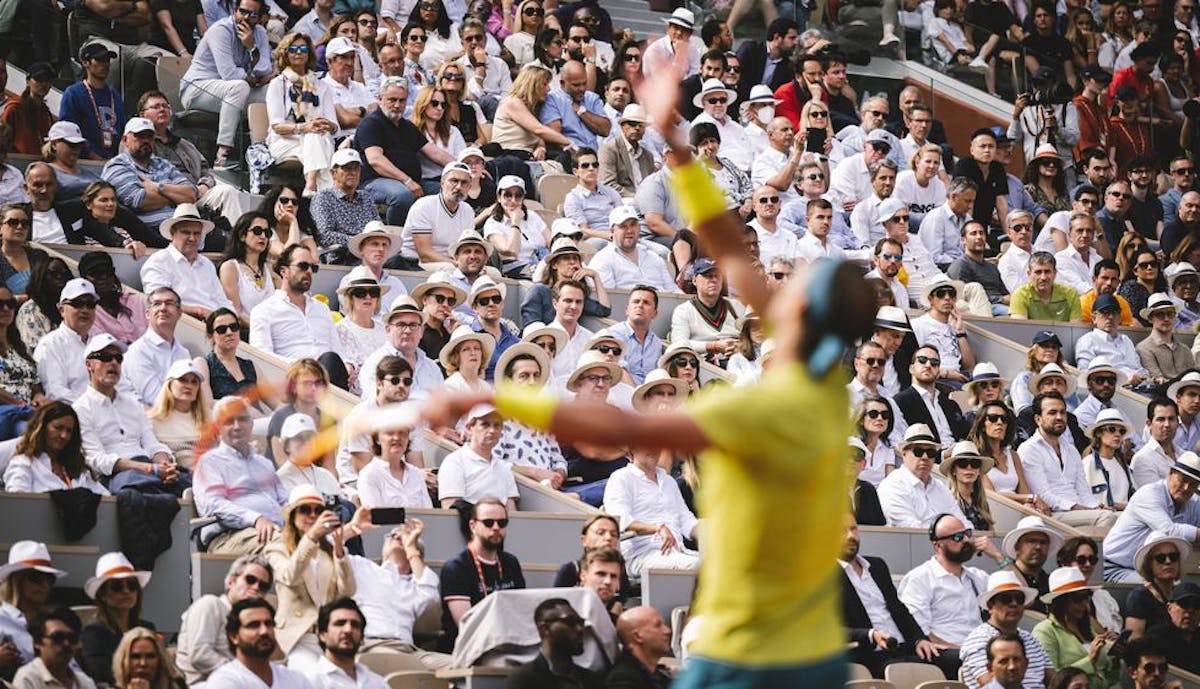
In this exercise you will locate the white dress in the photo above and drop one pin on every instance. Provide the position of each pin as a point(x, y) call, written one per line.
point(356, 343)
point(250, 293)
point(1004, 482)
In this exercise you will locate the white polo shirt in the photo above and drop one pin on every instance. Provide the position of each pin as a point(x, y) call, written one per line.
point(464, 474)
point(430, 216)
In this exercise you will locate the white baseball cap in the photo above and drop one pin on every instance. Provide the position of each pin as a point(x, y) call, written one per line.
point(137, 125)
point(620, 214)
point(77, 287)
point(296, 424)
point(339, 45)
point(345, 156)
point(97, 343)
point(63, 130)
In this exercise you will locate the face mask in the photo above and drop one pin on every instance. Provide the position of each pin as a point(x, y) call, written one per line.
point(765, 114)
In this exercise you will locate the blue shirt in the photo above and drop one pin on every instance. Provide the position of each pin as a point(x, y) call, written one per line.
point(126, 175)
point(639, 357)
point(1149, 509)
point(559, 106)
point(793, 217)
point(591, 208)
point(108, 114)
point(508, 338)
point(220, 55)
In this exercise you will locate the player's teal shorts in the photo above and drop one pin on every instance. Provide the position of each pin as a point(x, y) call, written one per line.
point(710, 674)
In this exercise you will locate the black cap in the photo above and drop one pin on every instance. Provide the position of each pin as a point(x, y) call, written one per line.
point(94, 263)
point(40, 71)
point(1106, 302)
point(1096, 72)
point(1186, 592)
point(1126, 92)
point(1046, 336)
point(1147, 49)
point(92, 51)
point(1043, 73)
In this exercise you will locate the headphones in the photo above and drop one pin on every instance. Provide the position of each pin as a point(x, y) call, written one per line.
point(933, 526)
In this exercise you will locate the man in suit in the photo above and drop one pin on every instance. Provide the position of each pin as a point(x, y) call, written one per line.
point(768, 62)
point(875, 618)
point(561, 630)
point(925, 403)
point(712, 66)
point(624, 162)
point(646, 639)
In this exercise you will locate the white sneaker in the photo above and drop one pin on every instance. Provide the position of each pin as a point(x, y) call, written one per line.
point(979, 64)
point(889, 39)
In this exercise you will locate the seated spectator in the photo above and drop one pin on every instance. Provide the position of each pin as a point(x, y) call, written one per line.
point(472, 472)
point(487, 300)
point(405, 328)
point(1051, 378)
point(49, 455)
point(149, 185)
point(358, 332)
point(438, 296)
point(994, 433)
point(572, 110)
point(590, 203)
point(39, 314)
point(56, 640)
point(1005, 601)
point(910, 496)
point(1178, 635)
point(1028, 546)
point(1041, 298)
point(565, 263)
point(93, 105)
point(489, 76)
point(1076, 263)
point(342, 211)
point(683, 363)
point(1081, 552)
point(708, 321)
point(29, 576)
point(1105, 341)
point(151, 355)
point(298, 465)
point(374, 245)
point(300, 110)
point(251, 635)
point(1146, 661)
point(592, 379)
point(1014, 262)
point(238, 486)
point(973, 267)
point(117, 591)
point(390, 480)
point(530, 453)
point(917, 401)
point(943, 329)
point(875, 422)
point(432, 118)
point(1186, 224)
point(290, 218)
point(865, 220)
point(19, 385)
point(625, 264)
point(481, 192)
point(941, 228)
point(518, 129)
point(225, 372)
point(1163, 357)
point(624, 161)
point(142, 656)
point(519, 234)
point(560, 629)
point(26, 115)
point(1184, 284)
point(182, 268)
point(390, 144)
point(179, 414)
point(64, 144)
point(645, 639)
point(435, 222)
point(243, 266)
point(1106, 280)
point(1153, 462)
point(396, 593)
point(12, 180)
point(306, 383)
point(230, 70)
point(465, 357)
point(17, 257)
point(1067, 634)
point(471, 254)
point(483, 567)
point(1163, 506)
point(966, 482)
point(775, 240)
point(706, 139)
point(648, 504)
point(60, 353)
point(462, 113)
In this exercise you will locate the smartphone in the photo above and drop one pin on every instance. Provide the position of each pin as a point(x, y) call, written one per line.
point(815, 141)
point(1117, 649)
point(387, 515)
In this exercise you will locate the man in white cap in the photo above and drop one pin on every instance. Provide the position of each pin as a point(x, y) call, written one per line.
point(404, 327)
point(777, 164)
point(1167, 506)
point(146, 184)
point(150, 356)
point(624, 162)
point(351, 99)
point(182, 268)
point(436, 222)
point(471, 253)
point(486, 299)
point(471, 472)
point(1005, 601)
point(118, 441)
point(676, 47)
point(943, 327)
point(374, 246)
point(299, 469)
point(589, 203)
point(714, 99)
point(624, 263)
point(911, 496)
point(774, 241)
point(392, 146)
point(341, 211)
point(574, 111)
point(1154, 460)
point(230, 70)
point(1164, 357)
point(1183, 283)
point(59, 355)
point(891, 327)
point(203, 646)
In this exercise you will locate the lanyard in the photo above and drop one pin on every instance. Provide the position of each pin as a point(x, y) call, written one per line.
point(479, 571)
point(112, 104)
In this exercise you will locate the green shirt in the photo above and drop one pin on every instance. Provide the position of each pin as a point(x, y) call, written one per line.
point(1063, 305)
point(1065, 650)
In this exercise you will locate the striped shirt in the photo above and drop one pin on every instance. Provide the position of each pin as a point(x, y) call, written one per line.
point(974, 656)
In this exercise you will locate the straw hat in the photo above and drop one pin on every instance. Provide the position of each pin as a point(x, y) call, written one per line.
point(29, 555)
point(372, 229)
point(588, 361)
point(113, 566)
point(918, 434)
point(1101, 364)
point(361, 277)
point(1190, 379)
point(185, 212)
point(677, 348)
point(1027, 525)
point(1157, 538)
point(1066, 580)
point(1048, 371)
point(462, 334)
point(1107, 417)
point(654, 379)
point(438, 280)
point(1158, 302)
point(1004, 581)
point(965, 449)
point(985, 371)
point(537, 329)
point(525, 349)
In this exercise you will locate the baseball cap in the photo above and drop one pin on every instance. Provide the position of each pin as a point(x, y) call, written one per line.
point(137, 125)
point(1096, 72)
point(77, 287)
point(94, 50)
point(339, 45)
point(40, 71)
point(703, 265)
point(620, 214)
point(98, 343)
point(63, 130)
point(295, 424)
point(1046, 336)
point(345, 156)
point(1106, 302)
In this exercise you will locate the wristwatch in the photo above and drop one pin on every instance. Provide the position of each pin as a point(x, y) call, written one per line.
point(362, 111)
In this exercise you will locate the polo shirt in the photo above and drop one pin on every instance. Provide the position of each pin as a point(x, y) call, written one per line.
point(401, 142)
point(996, 185)
point(353, 95)
point(467, 475)
point(591, 208)
point(430, 216)
point(1089, 297)
point(1063, 305)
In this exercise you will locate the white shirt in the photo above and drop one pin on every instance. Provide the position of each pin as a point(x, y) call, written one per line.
point(736, 146)
point(396, 284)
point(919, 263)
point(60, 363)
point(920, 199)
point(871, 598)
point(941, 233)
point(496, 80)
point(466, 474)
point(851, 180)
point(1149, 509)
point(429, 215)
point(113, 429)
point(1150, 464)
point(1014, 267)
point(631, 496)
point(940, 423)
point(14, 624)
point(36, 675)
point(564, 362)
point(290, 475)
point(780, 242)
point(195, 282)
point(767, 163)
point(377, 487)
point(326, 675)
point(277, 325)
point(1058, 220)
point(35, 475)
point(809, 248)
point(427, 377)
point(618, 271)
point(146, 363)
point(942, 603)
point(1118, 348)
point(930, 331)
point(393, 602)
point(353, 95)
point(234, 675)
point(864, 221)
point(1058, 481)
point(47, 228)
point(899, 292)
point(908, 502)
point(1073, 271)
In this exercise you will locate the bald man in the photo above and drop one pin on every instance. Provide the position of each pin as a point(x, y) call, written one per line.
point(646, 638)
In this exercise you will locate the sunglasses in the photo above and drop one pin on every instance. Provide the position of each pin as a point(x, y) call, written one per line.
point(733, 69)
point(289, 200)
point(928, 360)
point(769, 199)
point(878, 414)
point(533, 12)
point(781, 276)
point(873, 361)
point(364, 292)
point(1104, 380)
point(943, 292)
point(958, 537)
point(590, 165)
point(899, 218)
point(608, 349)
point(1166, 558)
point(431, 6)
point(1147, 264)
point(234, 327)
point(968, 463)
point(128, 585)
point(816, 176)
point(996, 418)
point(82, 303)
point(1184, 171)
point(493, 300)
point(443, 299)
point(437, 103)
point(298, 49)
point(305, 266)
point(716, 101)
point(10, 303)
point(685, 362)
point(406, 381)
point(1156, 668)
point(368, 22)
point(489, 523)
point(263, 585)
point(925, 451)
point(1086, 559)
point(892, 257)
point(63, 638)
point(310, 510)
point(1008, 598)
point(418, 37)
point(107, 357)
point(16, 222)
point(452, 77)
point(876, 113)
point(817, 113)
point(632, 57)
point(1120, 195)
point(261, 231)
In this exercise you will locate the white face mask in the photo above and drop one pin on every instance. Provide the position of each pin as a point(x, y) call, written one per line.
point(765, 114)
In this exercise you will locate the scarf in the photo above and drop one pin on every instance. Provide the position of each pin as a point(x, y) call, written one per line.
point(301, 93)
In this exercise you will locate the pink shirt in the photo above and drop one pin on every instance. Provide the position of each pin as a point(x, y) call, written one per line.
point(124, 328)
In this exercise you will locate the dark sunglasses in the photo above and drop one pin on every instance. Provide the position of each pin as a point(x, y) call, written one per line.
point(769, 199)
point(996, 418)
point(815, 176)
point(233, 327)
point(494, 299)
point(298, 49)
point(263, 585)
point(107, 357)
point(10, 303)
point(716, 101)
point(876, 113)
point(1086, 559)
point(310, 510)
point(781, 276)
point(1122, 196)
point(443, 299)
point(364, 292)
point(1166, 558)
point(1147, 264)
point(873, 361)
point(1009, 598)
point(433, 6)
point(63, 638)
point(260, 231)
point(418, 37)
point(533, 12)
point(128, 585)
point(1184, 171)
point(608, 349)
point(304, 266)
point(473, 37)
point(514, 194)
point(437, 103)
point(289, 200)
point(925, 451)
point(489, 523)
point(406, 381)
point(957, 537)
point(685, 362)
point(817, 113)
point(82, 303)
point(922, 359)
point(968, 463)
point(16, 222)
point(589, 165)
point(943, 292)
point(1104, 380)
point(368, 22)
point(452, 77)
point(632, 57)
point(878, 414)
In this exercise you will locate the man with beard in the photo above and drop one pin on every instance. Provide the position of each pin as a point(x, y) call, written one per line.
point(202, 646)
point(393, 383)
point(1004, 601)
point(1055, 471)
point(875, 618)
point(250, 628)
point(436, 222)
point(942, 594)
point(148, 185)
point(624, 161)
point(624, 263)
point(561, 630)
point(391, 146)
point(471, 253)
point(1028, 546)
point(889, 257)
point(1147, 660)
point(340, 627)
point(482, 568)
point(291, 323)
point(1102, 379)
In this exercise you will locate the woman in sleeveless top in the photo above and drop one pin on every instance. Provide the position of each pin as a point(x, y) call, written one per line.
point(993, 432)
point(225, 372)
point(464, 114)
point(517, 129)
point(243, 272)
point(1171, 91)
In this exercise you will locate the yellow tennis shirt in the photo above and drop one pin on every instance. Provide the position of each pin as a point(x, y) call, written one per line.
point(774, 495)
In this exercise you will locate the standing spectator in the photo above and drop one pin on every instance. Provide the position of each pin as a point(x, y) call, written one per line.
point(991, 181)
point(182, 268)
point(300, 111)
point(26, 115)
point(343, 210)
point(230, 70)
point(94, 105)
point(56, 638)
point(147, 184)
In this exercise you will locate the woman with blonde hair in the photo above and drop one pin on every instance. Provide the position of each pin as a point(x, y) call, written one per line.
point(920, 186)
point(517, 129)
point(301, 112)
point(25, 586)
point(141, 662)
point(746, 363)
point(179, 415)
point(529, 20)
point(815, 115)
point(465, 358)
point(462, 113)
point(965, 469)
point(1118, 33)
point(430, 116)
